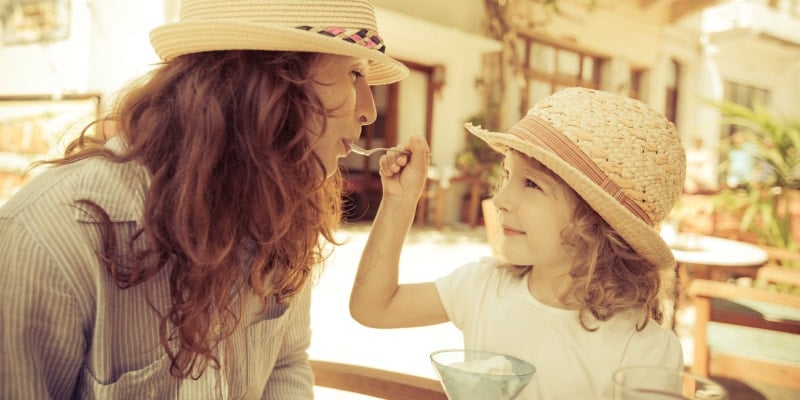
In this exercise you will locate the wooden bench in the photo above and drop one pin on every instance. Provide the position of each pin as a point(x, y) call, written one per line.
point(375, 382)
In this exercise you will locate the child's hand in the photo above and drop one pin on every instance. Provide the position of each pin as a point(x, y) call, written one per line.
point(403, 174)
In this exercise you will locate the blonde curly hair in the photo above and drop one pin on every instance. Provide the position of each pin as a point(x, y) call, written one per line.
point(607, 276)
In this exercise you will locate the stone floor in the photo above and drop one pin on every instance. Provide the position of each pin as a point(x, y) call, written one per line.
point(427, 255)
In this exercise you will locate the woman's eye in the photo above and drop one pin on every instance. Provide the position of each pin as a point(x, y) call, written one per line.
point(357, 74)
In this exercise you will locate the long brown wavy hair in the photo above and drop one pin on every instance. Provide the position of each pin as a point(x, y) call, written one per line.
point(238, 199)
point(607, 276)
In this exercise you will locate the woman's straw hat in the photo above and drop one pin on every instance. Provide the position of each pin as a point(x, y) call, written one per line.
point(621, 156)
point(344, 27)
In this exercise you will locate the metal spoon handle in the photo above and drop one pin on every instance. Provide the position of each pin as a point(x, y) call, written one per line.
point(364, 152)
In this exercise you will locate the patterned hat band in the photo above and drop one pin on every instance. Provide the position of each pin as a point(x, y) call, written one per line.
point(535, 130)
point(362, 37)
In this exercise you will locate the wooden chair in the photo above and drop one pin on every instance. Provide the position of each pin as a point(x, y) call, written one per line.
point(784, 258)
point(748, 333)
point(375, 382)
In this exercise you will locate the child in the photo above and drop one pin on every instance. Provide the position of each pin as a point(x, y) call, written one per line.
point(588, 177)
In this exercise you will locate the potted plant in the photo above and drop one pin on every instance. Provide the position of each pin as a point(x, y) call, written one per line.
point(477, 158)
point(768, 203)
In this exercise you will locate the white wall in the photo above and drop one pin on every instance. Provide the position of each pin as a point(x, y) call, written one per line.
point(49, 68)
point(120, 42)
point(464, 15)
point(609, 28)
point(108, 45)
point(423, 42)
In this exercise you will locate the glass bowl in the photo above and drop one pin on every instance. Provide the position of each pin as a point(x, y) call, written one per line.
point(479, 375)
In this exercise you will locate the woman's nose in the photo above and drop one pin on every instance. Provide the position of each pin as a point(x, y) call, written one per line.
point(365, 104)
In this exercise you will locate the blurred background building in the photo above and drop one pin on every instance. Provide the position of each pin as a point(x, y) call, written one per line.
point(485, 61)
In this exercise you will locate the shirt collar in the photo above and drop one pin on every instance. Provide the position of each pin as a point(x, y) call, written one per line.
point(118, 188)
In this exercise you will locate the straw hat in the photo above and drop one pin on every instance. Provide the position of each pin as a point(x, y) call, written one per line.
point(621, 156)
point(344, 27)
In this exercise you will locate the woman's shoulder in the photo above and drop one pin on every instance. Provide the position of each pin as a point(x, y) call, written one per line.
point(96, 179)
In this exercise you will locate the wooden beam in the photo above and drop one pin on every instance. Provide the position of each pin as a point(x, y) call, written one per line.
point(681, 8)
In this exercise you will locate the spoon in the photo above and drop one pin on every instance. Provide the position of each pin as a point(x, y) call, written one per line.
point(364, 152)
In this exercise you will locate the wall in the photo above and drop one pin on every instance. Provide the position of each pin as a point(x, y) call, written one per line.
point(120, 44)
point(418, 40)
point(50, 68)
point(464, 15)
point(108, 46)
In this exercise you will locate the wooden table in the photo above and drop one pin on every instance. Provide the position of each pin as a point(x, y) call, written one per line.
point(713, 257)
point(710, 257)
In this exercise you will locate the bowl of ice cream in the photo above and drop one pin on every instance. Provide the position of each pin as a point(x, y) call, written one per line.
point(478, 375)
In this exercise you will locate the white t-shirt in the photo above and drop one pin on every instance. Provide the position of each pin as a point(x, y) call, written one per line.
point(496, 312)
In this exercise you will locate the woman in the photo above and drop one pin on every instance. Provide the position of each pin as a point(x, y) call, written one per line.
point(173, 260)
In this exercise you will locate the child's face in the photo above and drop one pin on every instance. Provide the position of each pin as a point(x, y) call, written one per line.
point(533, 210)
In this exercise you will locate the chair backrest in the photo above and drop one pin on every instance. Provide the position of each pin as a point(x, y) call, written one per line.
point(774, 274)
point(375, 382)
point(782, 257)
point(740, 309)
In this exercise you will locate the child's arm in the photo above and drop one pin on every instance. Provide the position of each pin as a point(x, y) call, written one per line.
point(377, 300)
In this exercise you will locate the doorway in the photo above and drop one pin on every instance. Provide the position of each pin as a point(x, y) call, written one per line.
point(404, 109)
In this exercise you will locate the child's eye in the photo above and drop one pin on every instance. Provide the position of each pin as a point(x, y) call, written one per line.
point(357, 74)
point(531, 184)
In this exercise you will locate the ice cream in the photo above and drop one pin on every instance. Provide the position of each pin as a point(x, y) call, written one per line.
point(481, 375)
point(495, 365)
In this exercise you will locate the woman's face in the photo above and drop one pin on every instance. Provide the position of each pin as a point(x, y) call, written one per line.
point(533, 209)
point(341, 84)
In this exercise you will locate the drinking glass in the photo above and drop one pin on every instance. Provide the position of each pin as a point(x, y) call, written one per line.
point(659, 383)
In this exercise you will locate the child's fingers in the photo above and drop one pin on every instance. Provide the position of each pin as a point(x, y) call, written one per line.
point(420, 151)
point(393, 162)
point(416, 154)
point(388, 166)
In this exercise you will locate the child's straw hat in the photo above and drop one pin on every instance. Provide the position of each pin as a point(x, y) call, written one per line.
point(621, 156)
point(344, 27)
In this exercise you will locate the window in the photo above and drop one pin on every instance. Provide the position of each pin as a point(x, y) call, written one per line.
point(671, 104)
point(745, 95)
point(413, 98)
point(550, 66)
point(636, 78)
